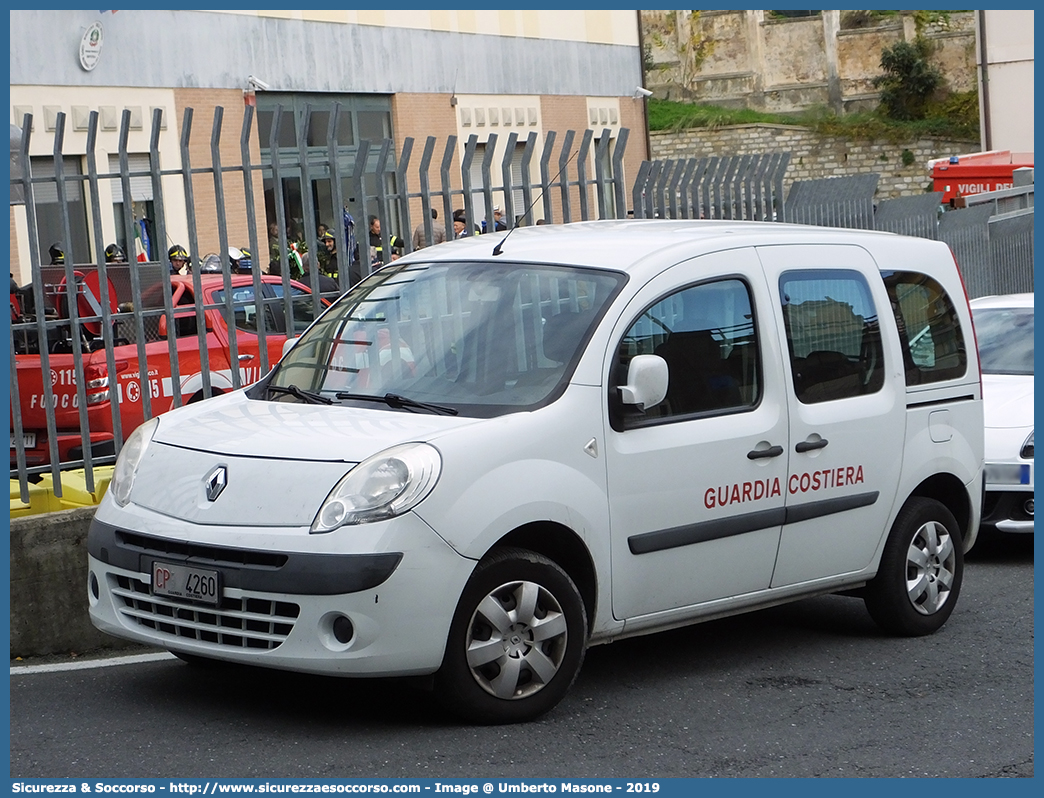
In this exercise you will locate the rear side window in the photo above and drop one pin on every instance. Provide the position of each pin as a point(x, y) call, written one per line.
point(833, 334)
point(929, 329)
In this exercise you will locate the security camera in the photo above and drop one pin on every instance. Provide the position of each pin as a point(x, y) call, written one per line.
point(641, 91)
point(257, 84)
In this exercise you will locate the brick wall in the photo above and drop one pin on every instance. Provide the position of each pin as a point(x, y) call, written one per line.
point(203, 102)
point(423, 115)
point(420, 116)
point(814, 156)
point(632, 116)
point(413, 115)
point(561, 113)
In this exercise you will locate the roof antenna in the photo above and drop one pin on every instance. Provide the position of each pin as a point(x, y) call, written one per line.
point(497, 249)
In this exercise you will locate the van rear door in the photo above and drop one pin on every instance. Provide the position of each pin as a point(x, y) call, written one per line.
point(847, 408)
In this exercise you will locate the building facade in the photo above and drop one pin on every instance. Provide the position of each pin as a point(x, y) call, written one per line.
point(1004, 57)
point(390, 75)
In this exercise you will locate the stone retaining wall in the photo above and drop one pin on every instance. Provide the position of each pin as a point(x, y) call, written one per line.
point(814, 156)
point(49, 586)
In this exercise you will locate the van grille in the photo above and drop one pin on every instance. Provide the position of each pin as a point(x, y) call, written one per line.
point(253, 623)
point(209, 556)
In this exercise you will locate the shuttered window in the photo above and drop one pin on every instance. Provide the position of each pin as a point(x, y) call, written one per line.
point(495, 176)
point(140, 186)
point(48, 212)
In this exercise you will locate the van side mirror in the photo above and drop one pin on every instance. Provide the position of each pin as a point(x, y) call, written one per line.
point(646, 381)
point(288, 344)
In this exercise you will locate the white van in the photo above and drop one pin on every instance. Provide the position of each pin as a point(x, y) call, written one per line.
point(481, 461)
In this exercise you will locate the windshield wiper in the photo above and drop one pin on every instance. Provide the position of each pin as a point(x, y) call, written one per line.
point(298, 393)
point(399, 402)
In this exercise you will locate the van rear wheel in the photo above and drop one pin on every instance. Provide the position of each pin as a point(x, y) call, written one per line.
point(921, 571)
point(517, 640)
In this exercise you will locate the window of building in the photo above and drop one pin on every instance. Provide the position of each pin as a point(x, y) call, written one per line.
point(142, 207)
point(518, 203)
point(361, 117)
point(50, 227)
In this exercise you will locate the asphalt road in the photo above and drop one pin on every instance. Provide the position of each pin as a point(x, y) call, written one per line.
point(809, 689)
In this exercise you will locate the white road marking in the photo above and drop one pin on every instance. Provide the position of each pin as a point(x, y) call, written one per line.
point(86, 664)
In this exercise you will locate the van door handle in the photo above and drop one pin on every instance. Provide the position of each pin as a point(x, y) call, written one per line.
point(245, 357)
point(808, 446)
point(758, 454)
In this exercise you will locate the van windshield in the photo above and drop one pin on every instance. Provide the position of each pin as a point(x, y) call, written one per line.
point(1005, 337)
point(477, 338)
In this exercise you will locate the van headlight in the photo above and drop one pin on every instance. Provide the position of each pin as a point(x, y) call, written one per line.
point(1027, 448)
point(127, 463)
point(385, 485)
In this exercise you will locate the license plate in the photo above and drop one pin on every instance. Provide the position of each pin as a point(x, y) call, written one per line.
point(181, 581)
point(28, 440)
point(1007, 474)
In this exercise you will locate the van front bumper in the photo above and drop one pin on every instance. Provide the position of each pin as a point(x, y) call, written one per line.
point(315, 609)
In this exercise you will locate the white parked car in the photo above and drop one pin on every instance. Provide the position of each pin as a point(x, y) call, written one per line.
point(1004, 328)
point(496, 452)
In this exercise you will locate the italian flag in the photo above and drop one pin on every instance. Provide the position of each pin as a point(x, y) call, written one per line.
point(141, 242)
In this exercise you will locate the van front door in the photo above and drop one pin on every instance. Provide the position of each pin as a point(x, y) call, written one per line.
point(847, 408)
point(696, 484)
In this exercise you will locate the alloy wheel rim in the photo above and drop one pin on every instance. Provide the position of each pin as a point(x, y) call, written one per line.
point(931, 563)
point(516, 640)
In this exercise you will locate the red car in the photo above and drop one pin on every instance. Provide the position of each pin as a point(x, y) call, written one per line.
point(159, 381)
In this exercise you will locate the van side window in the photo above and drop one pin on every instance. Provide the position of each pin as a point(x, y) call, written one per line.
point(706, 334)
point(833, 335)
point(929, 330)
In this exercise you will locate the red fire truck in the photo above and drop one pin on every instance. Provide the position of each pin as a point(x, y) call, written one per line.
point(979, 172)
point(159, 382)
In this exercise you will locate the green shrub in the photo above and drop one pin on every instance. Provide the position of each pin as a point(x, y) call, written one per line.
point(955, 118)
point(961, 112)
point(909, 81)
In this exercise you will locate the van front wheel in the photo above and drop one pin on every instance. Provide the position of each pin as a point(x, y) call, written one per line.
point(517, 641)
point(921, 571)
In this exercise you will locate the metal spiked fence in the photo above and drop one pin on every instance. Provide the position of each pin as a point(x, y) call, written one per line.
point(729, 187)
point(992, 239)
point(569, 189)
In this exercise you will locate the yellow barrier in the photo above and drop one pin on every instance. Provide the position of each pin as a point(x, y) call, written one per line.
point(74, 493)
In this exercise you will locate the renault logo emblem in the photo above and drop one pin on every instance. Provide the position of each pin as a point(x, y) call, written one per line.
point(215, 482)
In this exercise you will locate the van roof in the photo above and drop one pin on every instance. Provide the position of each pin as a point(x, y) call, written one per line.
point(626, 244)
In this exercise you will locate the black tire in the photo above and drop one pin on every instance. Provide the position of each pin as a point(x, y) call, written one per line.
point(522, 668)
point(921, 571)
point(199, 396)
